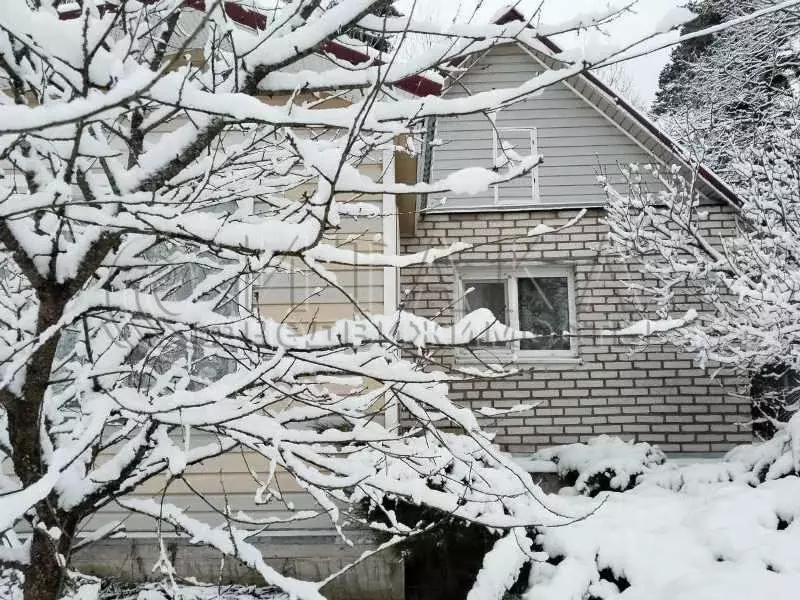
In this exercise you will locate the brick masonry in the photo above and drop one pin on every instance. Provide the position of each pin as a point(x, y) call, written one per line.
point(655, 394)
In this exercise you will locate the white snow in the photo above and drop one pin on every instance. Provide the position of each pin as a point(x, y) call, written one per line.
point(647, 327)
point(700, 530)
point(720, 539)
point(501, 567)
point(622, 461)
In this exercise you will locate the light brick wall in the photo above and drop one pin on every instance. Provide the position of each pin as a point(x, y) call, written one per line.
point(655, 394)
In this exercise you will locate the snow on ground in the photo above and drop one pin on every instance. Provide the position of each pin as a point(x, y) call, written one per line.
point(720, 540)
point(649, 529)
point(719, 530)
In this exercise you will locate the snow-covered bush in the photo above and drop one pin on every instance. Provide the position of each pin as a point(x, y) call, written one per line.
point(774, 459)
point(609, 464)
point(603, 463)
point(712, 529)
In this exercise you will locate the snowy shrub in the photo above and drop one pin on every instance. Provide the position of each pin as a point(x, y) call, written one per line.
point(82, 588)
point(748, 464)
point(604, 463)
point(773, 459)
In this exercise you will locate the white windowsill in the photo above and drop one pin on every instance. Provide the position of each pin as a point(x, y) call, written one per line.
point(519, 359)
point(534, 206)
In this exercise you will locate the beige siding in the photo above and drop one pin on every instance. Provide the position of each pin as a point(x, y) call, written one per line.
point(305, 299)
point(231, 481)
point(227, 480)
point(219, 482)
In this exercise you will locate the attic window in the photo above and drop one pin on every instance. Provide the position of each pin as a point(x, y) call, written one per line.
point(509, 145)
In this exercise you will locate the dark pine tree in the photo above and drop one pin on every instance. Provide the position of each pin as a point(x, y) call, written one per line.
point(677, 74)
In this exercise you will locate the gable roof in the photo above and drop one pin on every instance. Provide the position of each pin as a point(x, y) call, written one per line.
point(614, 106)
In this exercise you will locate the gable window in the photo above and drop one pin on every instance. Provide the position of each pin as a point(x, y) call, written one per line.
point(540, 300)
point(509, 145)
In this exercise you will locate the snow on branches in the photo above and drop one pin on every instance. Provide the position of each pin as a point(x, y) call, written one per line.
point(732, 100)
point(148, 148)
point(744, 274)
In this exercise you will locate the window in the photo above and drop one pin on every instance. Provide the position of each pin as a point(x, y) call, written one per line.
point(509, 145)
point(540, 300)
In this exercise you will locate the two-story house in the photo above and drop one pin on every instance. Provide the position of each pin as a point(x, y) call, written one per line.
point(583, 383)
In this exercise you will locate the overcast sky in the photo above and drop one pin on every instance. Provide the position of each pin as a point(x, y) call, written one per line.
point(644, 71)
point(628, 28)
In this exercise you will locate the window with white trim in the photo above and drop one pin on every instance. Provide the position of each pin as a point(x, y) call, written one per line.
point(509, 145)
point(537, 299)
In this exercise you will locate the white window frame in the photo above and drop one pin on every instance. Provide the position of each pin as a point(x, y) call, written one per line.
point(534, 174)
point(489, 274)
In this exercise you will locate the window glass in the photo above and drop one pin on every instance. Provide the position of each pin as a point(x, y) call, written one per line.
point(544, 310)
point(487, 294)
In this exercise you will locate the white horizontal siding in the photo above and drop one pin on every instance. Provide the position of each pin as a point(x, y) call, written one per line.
point(576, 141)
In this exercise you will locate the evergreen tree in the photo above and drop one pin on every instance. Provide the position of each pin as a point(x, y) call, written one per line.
point(733, 100)
point(734, 96)
point(676, 74)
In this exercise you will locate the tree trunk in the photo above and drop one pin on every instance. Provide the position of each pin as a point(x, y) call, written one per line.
point(44, 575)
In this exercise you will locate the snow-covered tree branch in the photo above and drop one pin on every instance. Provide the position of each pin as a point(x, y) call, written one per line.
point(147, 148)
point(733, 101)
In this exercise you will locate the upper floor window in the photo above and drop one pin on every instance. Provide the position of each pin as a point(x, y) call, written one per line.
point(510, 144)
point(540, 300)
